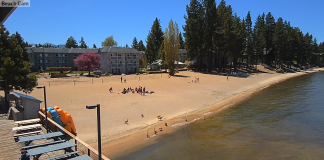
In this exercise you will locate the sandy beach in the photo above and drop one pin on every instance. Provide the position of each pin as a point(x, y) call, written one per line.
point(173, 98)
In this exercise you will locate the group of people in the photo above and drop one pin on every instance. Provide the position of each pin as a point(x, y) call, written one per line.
point(140, 90)
point(196, 80)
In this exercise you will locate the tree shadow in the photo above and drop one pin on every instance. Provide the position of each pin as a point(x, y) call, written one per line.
point(181, 76)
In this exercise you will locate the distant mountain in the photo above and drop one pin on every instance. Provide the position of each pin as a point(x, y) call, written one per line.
point(50, 44)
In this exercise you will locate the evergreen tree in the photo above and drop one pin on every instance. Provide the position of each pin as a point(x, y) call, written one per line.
point(278, 40)
point(270, 24)
point(210, 28)
point(126, 46)
point(14, 63)
point(135, 44)
point(82, 43)
point(181, 41)
point(321, 47)
point(71, 43)
point(94, 46)
point(153, 42)
point(171, 46)
point(259, 36)
point(249, 39)
point(141, 46)
point(161, 52)
point(194, 32)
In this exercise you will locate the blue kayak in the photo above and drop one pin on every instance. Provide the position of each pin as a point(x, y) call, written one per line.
point(55, 116)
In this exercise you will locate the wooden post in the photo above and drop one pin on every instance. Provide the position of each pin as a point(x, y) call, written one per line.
point(74, 82)
point(101, 80)
point(49, 84)
point(92, 81)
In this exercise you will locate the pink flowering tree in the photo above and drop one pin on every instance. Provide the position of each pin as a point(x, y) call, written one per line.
point(88, 61)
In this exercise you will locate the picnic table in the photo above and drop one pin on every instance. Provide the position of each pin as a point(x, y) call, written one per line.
point(23, 128)
point(29, 139)
point(37, 152)
point(29, 121)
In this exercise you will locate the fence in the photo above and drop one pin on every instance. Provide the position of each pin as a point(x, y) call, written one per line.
point(81, 146)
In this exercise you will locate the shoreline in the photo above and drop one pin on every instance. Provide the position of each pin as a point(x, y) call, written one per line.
point(174, 98)
point(134, 138)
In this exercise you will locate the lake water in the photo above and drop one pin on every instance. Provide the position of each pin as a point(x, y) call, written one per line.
point(283, 121)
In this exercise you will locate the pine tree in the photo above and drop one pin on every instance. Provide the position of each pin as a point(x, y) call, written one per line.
point(210, 28)
point(71, 43)
point(14, 63)
point(278, 41)
point(154, 41)
point(181, 41)
point(135, 44)
point(126, 46)
point(270, 24)
point(249, 39)
point(82, 43)
point(141, 46)
point(194, 32)
point(259, 36)
point(94, 46)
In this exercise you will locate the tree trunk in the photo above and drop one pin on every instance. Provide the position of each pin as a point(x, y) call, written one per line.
point(89, 73)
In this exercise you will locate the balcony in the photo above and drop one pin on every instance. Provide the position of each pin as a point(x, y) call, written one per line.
point(47, 57)
point(113, 65)
point(40, 62)
point(131, 64)
point(120, 65)
point(39, 57)
point(120, 57)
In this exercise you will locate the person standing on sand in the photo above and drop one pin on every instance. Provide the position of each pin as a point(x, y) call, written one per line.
point(121, 79)
point(227, 76)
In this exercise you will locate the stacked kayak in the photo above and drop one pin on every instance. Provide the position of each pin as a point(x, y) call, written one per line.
point(60, 117)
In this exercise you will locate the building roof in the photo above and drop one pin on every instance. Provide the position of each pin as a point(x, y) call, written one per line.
point(20, 95)
point(60, 50)
point(112, 49)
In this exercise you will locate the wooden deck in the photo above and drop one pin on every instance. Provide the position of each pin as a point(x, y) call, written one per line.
point(9, 148)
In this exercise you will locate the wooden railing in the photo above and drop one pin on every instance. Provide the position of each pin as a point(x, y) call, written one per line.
point(81, 146)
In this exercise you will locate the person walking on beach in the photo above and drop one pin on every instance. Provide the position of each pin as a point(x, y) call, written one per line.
point(121, 79)
point(143, 91)
point(227, 76)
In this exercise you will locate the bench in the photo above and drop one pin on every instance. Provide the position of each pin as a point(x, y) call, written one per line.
point(42, 144)
point(25, 134)
point(29, 139)
point(37, 152)
point(23, 128)
point(83, 157)
point(63, 155)
point(30, 121)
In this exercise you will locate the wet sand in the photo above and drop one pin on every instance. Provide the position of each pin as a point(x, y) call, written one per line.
point(174, 99)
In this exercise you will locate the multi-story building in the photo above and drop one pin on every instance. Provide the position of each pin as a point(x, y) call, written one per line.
point(117, 60)
point(43, 58)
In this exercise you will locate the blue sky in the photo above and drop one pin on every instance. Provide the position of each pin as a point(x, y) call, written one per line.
point(54, 21)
